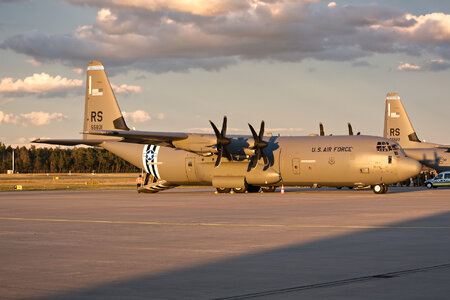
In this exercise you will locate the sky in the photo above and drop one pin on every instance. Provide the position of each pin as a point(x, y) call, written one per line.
point(176, 64)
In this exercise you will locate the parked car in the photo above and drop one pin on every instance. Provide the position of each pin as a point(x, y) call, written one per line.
point(441, 179)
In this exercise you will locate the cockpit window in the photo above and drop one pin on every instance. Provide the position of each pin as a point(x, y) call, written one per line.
point(390, 146)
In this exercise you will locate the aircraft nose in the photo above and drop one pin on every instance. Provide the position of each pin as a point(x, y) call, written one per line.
point(408, 168)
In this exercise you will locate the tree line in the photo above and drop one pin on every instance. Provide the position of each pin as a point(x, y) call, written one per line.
point(58, 160)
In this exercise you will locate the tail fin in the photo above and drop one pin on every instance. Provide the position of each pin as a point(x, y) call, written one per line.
point(397, 125)
point(101, 111)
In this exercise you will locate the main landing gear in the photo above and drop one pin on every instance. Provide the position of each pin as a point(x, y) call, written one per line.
point(380, 188)
point(247, 189)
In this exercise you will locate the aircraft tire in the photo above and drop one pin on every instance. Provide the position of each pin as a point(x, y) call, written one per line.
point(339, 187)
point(385, 189)
point(240, 190)
point(253, 188)
point(223, 190)
point(429, 185)
point(268, 189)
point(378, 189)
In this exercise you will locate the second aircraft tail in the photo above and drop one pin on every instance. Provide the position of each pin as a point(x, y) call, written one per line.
point(397, 125)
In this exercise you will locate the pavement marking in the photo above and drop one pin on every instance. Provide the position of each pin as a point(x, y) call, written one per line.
point(228, 224)
point(333, 283)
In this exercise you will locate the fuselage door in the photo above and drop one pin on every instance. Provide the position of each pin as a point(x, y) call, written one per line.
point(190, 169)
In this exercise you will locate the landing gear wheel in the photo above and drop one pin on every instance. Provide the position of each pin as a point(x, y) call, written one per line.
point(385, 189)
point(379, 189)
point(268, 189)
point(253, 188)
point(223, 190)
point(240, 190)
point(339, 187)
point(429, 185)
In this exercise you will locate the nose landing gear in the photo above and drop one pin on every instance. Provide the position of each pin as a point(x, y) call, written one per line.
point(380, 188)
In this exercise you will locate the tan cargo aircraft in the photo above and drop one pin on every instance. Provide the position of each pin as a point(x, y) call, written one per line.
point(237, 163)
point(398, 127)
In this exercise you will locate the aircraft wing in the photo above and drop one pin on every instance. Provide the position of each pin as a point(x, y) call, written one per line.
point(444, 147)
point(70, 142)
point(143, 137)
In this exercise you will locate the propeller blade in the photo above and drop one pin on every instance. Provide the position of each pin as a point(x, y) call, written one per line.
point(266, 159)
point(222, 142)
point(227, 153)
point(350, 129)
point(216, 131)
point(322, 132)
point(219, 157)
point(255, 136)
point(261, 131)
point(255, 158)
point(224, 126)
point(259, 146)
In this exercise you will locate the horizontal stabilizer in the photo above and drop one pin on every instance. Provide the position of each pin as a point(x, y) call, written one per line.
point(142, 137)
point(70, 142)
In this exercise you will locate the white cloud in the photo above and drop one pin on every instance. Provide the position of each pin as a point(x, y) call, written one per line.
point(79, 71)
point(35, 118)
point(126, 89)
point(210, 130)
point(432, 65)
point(408, 67)
point(291, 129)
point(38, 84)
point(178, 35)
point(137, 116)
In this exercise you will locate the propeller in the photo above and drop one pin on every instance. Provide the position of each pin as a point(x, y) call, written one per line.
point(259, 146)
point(350, 129)
point(222, 142)
point(322, 132)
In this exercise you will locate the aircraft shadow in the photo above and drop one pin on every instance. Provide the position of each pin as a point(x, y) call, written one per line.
point(350, 266)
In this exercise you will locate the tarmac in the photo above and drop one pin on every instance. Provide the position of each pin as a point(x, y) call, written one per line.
point(189, 243)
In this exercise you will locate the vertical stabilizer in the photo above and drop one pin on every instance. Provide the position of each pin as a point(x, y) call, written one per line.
point(397, 125)
point(101, 109)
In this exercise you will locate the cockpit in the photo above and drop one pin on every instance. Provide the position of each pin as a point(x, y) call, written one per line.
point(389, 147)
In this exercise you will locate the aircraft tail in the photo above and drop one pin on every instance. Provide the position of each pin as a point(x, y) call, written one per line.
point(397, 125)
point(102, 111)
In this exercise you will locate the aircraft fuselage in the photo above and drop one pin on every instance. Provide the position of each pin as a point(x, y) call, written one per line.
point(293, 161)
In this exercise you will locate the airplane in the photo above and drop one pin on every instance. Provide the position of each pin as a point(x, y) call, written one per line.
point(234, 163)
point(398, 127)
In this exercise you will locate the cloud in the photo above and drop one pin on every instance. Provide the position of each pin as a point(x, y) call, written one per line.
point(432, 65)
point(137, 116)
point(126, 89)
point(33, 62)
point(79, 71)
point(42, 83)
point(35, 118)
point(210, 130)
point(179, 35)
point(160, 116)
point(408, 67)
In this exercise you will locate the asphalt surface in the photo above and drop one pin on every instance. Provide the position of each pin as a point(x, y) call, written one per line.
point(189, 243)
